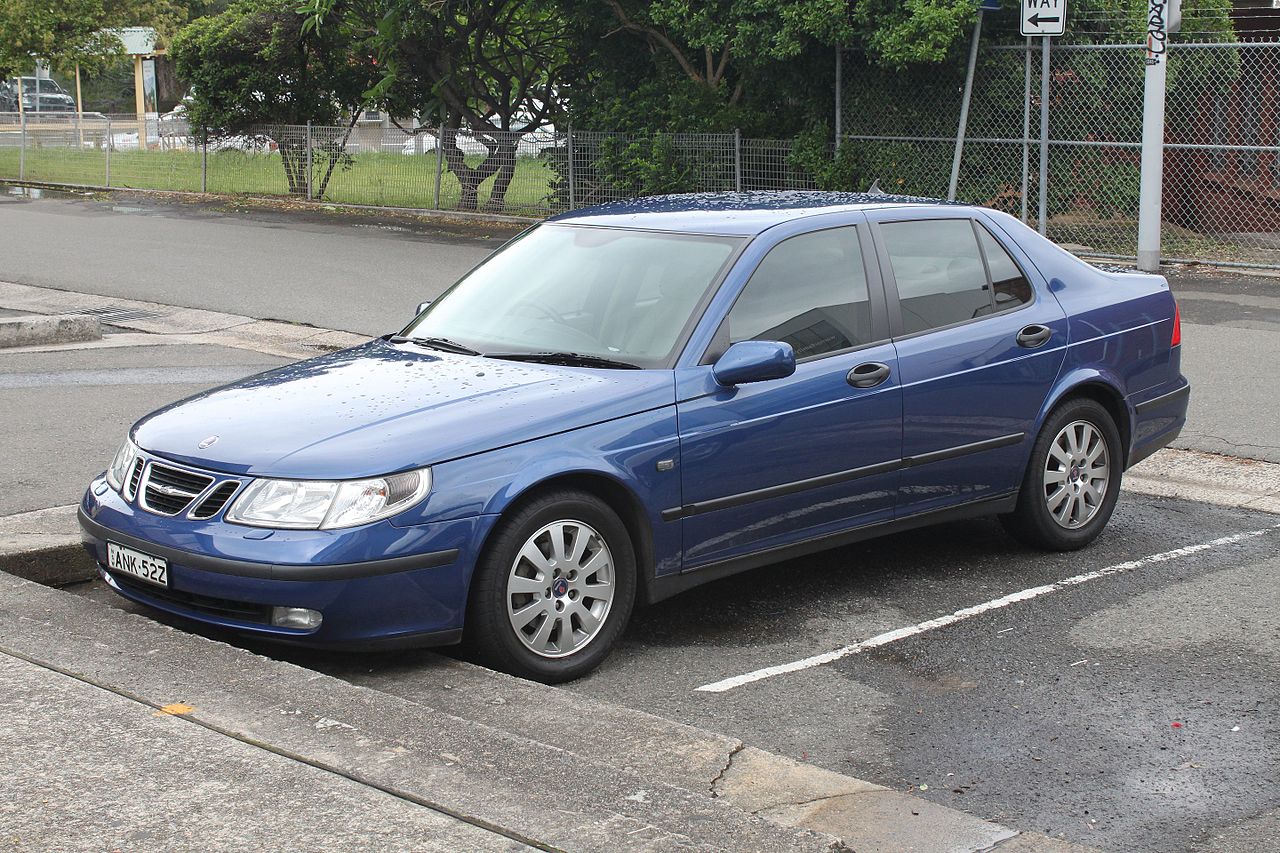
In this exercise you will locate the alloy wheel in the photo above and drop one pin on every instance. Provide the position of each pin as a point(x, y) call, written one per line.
point(1076, 474)
point(560, 588)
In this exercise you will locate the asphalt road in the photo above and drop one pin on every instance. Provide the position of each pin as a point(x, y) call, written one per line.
point(64, 414)
point(359, 273)
point(1134, 712)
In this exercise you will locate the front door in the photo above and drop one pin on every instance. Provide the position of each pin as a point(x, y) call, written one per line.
point(769, 463)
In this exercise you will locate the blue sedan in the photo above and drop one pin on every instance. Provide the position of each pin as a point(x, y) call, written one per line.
point(629, 400)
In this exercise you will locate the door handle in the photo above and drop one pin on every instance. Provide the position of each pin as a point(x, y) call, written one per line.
point(1034, 335)
point(868, 375)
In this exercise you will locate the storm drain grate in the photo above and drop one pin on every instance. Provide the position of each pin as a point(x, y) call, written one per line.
point(117, 313)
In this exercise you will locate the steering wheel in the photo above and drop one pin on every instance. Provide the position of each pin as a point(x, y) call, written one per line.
point(546, 310)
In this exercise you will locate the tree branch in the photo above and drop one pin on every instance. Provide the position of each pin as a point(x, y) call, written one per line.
point(655, 37)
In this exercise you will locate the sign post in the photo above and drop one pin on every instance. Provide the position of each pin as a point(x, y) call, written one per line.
point(1163, 18)
point(983, 7)
point(1044, 18)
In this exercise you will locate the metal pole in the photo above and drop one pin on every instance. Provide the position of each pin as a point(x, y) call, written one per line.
point(1152, 179)
point(109, 142)
point(309, 189)
point(1026, 128)
point(22, 151)
point(839, 94)
point(1042, 225)
point(439, 165)
point(737, 159)
point(573, 202)
point(204, 162)
point(964, 109)
point(79, 110)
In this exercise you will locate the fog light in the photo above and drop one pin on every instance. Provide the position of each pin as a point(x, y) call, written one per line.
point(295, 617)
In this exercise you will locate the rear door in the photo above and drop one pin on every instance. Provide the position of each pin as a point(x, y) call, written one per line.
point(767, 464)
point(979, 340)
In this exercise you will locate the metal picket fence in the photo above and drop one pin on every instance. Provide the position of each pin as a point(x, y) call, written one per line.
point(1222, 166)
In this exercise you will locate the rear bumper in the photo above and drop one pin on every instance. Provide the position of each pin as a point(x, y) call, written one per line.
point(374, 587)
point(1158, 418)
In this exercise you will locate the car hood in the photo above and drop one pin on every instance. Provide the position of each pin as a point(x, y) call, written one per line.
point(380, 408)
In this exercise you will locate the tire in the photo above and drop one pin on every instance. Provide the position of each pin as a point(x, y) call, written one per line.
point(553, 589)
point(1072, 480)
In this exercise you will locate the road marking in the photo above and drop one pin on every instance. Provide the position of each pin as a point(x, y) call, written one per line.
point(970, 612)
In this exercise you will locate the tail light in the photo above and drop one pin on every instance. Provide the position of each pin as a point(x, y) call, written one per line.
point(1177, 327)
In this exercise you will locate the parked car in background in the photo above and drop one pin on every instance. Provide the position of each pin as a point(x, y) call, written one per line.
point(39, 95)
point(630, 400)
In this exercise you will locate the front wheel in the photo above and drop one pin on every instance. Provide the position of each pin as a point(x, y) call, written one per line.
point(553, 589)
point(1072, 481)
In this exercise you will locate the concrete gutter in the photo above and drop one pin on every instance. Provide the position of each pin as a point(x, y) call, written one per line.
point(37, 330)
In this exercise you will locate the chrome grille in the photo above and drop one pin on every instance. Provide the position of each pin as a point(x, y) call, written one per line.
point(217, 499)
point(168, 491)
point(132, 488)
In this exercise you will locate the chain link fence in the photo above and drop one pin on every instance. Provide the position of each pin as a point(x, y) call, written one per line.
point(1222, 153)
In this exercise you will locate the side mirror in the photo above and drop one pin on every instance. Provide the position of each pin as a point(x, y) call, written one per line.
point(423, 306)
point(754, 361)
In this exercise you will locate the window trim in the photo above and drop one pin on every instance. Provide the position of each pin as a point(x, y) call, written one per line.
point(877, 301)
point(891, 282)
point(986, 262)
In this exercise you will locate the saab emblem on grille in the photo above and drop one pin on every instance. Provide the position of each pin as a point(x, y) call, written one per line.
point(208, 442)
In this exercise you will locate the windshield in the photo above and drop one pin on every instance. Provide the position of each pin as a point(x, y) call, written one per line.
point(613, 293)
point(44, 85)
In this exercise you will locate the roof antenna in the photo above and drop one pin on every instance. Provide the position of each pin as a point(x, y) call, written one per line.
point(874, 189)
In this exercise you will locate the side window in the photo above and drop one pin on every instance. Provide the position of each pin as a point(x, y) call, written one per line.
point(809, 291)
point(1011, 286)
point(939, 272)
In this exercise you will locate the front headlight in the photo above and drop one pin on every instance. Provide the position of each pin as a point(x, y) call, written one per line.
point(326, 504)
point(121, 465)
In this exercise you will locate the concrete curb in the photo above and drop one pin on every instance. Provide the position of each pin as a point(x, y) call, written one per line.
point(171, 324)
point(40, 330)
point(44, 546)
point(286, 202)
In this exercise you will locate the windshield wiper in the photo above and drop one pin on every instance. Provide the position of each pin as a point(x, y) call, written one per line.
point(572, 359)
point(442, 344)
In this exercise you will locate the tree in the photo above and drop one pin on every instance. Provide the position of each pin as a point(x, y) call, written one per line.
point(255, 67)
point(60, 34)
point(749, 64)
point(493, 67)
point(67, 33)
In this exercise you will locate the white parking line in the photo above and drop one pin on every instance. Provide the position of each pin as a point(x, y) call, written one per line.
point(969, 612)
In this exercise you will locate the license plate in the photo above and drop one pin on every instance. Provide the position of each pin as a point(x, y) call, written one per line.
point(144, 566)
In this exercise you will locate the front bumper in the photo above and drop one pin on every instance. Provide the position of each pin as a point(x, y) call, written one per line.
point(375, 586)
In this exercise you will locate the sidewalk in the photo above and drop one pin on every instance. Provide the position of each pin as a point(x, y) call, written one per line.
point(89, 769)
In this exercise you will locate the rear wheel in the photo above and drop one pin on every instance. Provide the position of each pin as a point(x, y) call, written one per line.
point(1072, 481)
point(554, 588)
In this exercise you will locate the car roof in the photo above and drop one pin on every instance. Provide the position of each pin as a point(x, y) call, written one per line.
point(731, 213)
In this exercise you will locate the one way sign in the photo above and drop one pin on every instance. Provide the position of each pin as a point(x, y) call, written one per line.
point(1044, 17)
